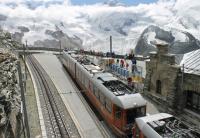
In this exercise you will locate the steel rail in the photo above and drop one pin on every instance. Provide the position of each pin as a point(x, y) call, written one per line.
point(55, 117)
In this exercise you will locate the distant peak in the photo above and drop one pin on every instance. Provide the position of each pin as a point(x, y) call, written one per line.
point(113, 3)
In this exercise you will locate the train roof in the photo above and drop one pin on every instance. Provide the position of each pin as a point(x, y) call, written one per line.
point(164, 125)
point(122, 95)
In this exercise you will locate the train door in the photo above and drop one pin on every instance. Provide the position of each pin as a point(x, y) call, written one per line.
point(118, 117)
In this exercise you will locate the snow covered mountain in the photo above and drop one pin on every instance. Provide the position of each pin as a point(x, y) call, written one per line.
point(91, 25)
point(179, 42)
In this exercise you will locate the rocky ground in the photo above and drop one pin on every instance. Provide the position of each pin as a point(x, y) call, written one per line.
point(6, 40)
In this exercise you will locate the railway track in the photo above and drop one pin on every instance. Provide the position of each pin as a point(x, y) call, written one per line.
point(57, 120)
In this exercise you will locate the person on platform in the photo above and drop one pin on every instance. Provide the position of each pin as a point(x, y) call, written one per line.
point(134, 62)
point(127, 65)
point(130, 83)
point(122, 63)
point(117, 61)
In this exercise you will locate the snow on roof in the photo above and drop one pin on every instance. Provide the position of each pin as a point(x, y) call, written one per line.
point(191, 62)
point(129, 101)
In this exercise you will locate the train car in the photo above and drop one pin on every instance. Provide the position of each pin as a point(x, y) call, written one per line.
point(163, 125)
point(117, 103)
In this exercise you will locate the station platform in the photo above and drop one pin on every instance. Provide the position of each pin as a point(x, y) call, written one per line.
point(84, 121)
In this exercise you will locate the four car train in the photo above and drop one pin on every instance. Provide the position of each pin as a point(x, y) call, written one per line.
point(117, 103)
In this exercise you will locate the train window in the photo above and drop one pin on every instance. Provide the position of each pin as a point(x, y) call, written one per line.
point(86, 82)
point(108, 105)
point(70, 65)
point(82, 78)
point(77, 72)
point(133, 113)
point(96, 92)
point(118, 112)
point(102, 99)
point(143, 111)
point(79, 75)
point(91, 87)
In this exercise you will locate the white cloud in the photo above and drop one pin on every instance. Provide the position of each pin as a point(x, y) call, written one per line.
point(85, 20)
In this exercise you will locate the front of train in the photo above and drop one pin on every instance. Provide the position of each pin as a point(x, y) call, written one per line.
point(133, 106)
point(137, 109)
point(131, 115)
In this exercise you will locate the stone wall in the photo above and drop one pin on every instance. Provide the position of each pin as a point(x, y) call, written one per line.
point(162, 67)
point(10, 101)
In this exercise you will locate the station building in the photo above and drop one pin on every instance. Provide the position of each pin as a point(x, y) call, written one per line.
point(174, 84)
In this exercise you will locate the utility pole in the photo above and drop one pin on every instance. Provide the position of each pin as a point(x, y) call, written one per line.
point(111, 46)
point(25, 50)
point(182, 78)
point(181, 93)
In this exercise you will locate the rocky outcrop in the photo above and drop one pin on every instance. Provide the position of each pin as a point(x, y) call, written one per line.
point(3, 17)
point(23, 29)
point(17, 36)
point(66, 41)
point(10, 101)
point(6, 40)
point(55, 34)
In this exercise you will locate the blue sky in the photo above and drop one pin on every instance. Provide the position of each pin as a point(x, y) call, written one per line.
point(127, 2)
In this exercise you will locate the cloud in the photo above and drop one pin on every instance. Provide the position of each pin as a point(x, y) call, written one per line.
point(95, 22)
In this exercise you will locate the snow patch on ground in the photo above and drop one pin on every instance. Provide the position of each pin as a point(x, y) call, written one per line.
point(179, 36)
point(150, 37)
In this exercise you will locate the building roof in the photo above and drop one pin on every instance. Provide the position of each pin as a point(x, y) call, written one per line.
point(191, 62)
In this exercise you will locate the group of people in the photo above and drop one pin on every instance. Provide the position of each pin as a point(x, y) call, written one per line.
point(124, 64)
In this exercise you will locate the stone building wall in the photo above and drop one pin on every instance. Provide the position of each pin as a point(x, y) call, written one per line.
point(161, 67)
point(174, 85)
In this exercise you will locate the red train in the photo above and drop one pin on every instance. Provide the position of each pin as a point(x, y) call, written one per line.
point(117, 103)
